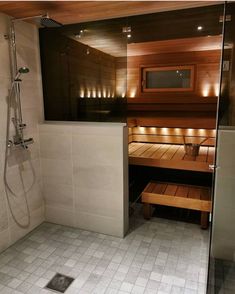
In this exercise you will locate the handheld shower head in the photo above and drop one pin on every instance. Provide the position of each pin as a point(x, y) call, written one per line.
point(21, 70)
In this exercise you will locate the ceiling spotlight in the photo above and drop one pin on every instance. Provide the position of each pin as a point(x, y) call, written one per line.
point(128, 36)
point(79, 35)
point(199, 28)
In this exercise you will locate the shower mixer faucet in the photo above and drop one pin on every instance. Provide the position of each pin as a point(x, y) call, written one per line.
point(17, 120)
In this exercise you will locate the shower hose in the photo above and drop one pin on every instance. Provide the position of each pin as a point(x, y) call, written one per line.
point(8, 189)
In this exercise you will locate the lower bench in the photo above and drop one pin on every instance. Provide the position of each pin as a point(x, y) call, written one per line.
point(178, 195)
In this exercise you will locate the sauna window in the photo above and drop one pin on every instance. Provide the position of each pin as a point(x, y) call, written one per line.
point(177, 78)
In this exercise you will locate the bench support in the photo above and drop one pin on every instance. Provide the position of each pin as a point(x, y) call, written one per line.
point(204, 220)
point(147, 210)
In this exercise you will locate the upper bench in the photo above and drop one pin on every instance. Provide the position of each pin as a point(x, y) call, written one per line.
point(163, 147)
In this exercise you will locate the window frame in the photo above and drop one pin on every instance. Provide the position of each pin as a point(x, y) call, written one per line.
point(145, 69)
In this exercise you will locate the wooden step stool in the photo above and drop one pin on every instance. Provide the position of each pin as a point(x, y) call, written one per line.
point(177, 195)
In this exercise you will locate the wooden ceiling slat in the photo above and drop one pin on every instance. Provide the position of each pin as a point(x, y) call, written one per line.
point(67, 12)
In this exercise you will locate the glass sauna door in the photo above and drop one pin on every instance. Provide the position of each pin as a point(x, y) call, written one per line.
point(222, 249)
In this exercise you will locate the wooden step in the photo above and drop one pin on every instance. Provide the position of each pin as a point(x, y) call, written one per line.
point(178, 195)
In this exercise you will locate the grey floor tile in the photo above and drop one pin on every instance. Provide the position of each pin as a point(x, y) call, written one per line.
point(156, 257)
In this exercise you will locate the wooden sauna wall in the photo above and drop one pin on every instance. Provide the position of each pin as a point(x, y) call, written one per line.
point(207, 66)
point(195, 109)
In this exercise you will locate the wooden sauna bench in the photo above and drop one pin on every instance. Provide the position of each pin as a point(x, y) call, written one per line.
point(161, 147)
point(177, 195)
point(170, 156)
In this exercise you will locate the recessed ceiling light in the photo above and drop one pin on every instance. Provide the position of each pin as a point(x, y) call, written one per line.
point(199, 28)
point(128, 36)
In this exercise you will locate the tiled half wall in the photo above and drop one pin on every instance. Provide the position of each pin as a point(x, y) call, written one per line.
point(84, 170)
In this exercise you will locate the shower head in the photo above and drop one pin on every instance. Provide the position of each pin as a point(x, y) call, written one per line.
point(41, 20)
point(48, 22)
point(21, 70)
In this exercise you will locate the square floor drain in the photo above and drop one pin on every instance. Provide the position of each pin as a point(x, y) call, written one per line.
point(59, 283)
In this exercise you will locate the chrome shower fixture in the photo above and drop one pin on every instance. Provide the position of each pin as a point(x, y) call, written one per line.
point(20, 71)
point(42, 20)
point(48, 22)
point(18, 138)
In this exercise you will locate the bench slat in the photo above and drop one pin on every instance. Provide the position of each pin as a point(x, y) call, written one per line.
point(182, 191)
point(171, 189)
point(180, 153)
point(159, 189)
point(158, 153)
point(141, 150)
point(170, 152)
point(205, 194)
point(194, 193)
point(149, 152)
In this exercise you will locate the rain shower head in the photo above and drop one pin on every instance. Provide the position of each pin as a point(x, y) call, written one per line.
point(41, 20)
point(48, 22)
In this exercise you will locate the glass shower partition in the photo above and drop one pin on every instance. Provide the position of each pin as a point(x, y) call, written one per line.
point(221, 279)
point(84, 71)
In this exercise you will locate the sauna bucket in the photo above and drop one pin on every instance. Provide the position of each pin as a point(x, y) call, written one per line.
point(192, 149)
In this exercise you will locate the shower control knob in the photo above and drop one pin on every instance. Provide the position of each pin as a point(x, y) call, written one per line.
point(10, 144)
point(22, 126)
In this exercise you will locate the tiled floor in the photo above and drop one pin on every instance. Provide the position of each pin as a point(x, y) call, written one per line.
point(157, 256)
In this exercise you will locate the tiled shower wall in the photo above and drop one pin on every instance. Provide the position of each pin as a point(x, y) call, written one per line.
point(22, 164)
point(81, 168)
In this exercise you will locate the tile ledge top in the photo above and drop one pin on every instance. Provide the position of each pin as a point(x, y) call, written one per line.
point(81, 123)
point(226, 128)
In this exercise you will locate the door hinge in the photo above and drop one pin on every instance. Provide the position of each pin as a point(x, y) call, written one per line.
point(213, 166)
point(228, 17)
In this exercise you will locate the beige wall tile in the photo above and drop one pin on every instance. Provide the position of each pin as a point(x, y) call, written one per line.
point(99, 202)
point(57, 170)
point(4, 240)
point(58, 195)
point(56, 146)
point(98, 223)
point(91, 181)
point(20, 173)
point(58, 215)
